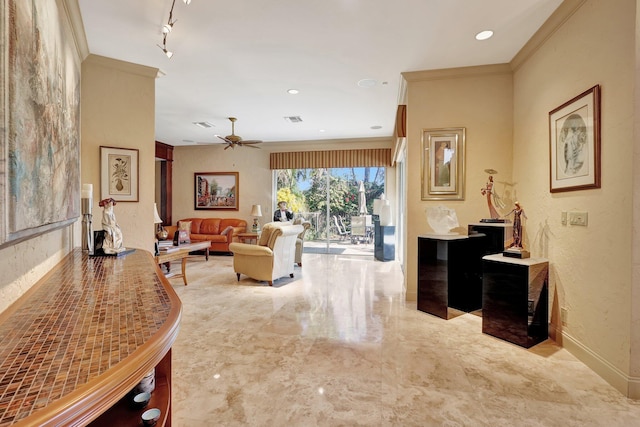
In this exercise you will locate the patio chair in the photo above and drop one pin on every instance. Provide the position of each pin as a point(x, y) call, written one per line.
point(340, 228)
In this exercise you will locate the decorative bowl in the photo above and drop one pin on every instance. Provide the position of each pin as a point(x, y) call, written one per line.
point(150, 416)
point(141, 400)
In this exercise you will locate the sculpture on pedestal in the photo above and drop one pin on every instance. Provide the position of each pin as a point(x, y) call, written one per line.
point(112, 243)
point(516, 248)
point(492, 197)
point(442, 219)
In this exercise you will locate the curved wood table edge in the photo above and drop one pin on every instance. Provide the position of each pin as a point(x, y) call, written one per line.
point(89, 401)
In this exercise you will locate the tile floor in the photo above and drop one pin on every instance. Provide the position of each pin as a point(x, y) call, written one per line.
point(338, 345)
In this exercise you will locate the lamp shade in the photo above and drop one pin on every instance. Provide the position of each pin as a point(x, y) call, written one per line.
point(256, 210)
point(156, 216)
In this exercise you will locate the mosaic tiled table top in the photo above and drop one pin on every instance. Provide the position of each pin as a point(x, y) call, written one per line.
point(83, 318)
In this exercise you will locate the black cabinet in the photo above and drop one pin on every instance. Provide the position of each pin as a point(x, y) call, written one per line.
point(450, 273)
point(515, 299)
point(384, 241)
point(499, 235)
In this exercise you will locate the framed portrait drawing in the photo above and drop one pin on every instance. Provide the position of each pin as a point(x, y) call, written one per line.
point(216, 191)
point(119, 174)
point(574, 143)
point(443, 164)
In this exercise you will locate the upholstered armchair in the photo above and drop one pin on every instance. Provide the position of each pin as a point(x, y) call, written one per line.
point(300, 239)
point(273, 257)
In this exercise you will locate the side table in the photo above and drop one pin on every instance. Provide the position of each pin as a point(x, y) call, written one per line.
point(248, 237)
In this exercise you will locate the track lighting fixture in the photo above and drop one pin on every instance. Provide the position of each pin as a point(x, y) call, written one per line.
point(166, 52)
point(168, 27)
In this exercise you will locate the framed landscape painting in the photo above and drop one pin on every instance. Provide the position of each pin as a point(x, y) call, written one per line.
point(574, 143)
point(216, 191)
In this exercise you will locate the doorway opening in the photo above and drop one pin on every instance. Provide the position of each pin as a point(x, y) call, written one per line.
point(338, 202)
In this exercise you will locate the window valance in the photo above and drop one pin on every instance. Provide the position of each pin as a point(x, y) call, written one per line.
point(373, 157)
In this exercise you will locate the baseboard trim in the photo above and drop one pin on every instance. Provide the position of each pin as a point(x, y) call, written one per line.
point(625, 384)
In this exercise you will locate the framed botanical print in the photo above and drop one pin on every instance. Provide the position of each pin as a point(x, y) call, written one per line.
point(574, 143)
point(119, 174)
point(443, 164)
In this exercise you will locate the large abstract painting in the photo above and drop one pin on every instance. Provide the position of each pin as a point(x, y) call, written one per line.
point(39, 137)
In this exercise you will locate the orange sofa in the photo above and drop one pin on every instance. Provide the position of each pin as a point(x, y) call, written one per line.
point(220, 231)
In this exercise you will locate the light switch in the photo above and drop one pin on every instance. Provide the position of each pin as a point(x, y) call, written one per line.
point(563, 218)
point(578, 218)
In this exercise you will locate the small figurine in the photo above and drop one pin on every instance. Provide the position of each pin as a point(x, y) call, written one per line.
point(489, 192)
point(113, 235)
point(517, 225)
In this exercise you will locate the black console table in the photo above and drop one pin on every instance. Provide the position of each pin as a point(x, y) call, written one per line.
point(515, 299)
point(450, 273)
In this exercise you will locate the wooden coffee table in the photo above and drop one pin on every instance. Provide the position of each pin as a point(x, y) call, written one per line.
point(181, 252)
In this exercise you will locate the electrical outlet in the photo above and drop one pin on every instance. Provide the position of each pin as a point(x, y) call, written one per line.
point(563, 218)
point(578, 218)
point(564, 314)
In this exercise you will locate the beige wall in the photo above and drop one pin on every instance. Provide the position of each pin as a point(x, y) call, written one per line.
point(590, 267)
point(478, 99)
point(118, 110)
point(585, 43)
point(255, 177)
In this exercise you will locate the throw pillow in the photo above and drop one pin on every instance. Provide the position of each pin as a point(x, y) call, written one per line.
point(186, 227)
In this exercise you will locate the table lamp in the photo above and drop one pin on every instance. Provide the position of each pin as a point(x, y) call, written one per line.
point(161, 233)
point(256, 212)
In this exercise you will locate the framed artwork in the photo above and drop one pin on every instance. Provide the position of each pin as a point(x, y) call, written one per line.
point(216, 191)
point(39, 121)
point(119, 174)
point(574, 143)
point(443, 164)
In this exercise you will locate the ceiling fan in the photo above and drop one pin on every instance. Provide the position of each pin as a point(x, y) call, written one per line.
point(233, 139)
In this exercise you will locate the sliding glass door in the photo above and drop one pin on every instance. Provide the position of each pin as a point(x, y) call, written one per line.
point(338, 202)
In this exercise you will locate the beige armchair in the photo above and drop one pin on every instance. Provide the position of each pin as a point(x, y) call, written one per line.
point(273, 257)
point(300, 240)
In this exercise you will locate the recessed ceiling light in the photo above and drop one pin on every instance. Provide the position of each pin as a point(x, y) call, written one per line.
point(293, 91)
point(484, 35)
point(321, 130)
point(367, 83)
point(376, 127)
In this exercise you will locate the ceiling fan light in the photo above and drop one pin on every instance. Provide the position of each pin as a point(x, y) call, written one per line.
point(187, 1)
point(166, 28)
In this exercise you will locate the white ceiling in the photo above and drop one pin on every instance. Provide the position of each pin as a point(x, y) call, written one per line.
point(238, 58)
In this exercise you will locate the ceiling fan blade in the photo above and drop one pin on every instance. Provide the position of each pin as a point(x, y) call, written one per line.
point(224, 139)
point(228, 146)
point(251, 141)
point(253, 146)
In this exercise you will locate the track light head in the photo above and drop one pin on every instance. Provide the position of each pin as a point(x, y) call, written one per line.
point(166, 52)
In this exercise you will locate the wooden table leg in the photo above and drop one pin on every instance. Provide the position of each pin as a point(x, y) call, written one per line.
point(206, 254)
point(184, 270)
